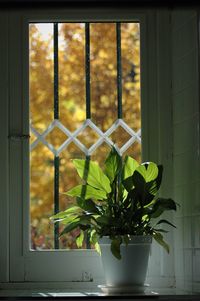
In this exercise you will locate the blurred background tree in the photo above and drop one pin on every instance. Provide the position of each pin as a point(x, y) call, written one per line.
point(72, 108)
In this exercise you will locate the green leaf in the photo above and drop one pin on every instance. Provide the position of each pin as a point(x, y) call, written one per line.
point(159, 238)
point(105, 220)
point(154, 185)
point(93, 236)
point(115, 247)
point(159, 177)
point(87, 192)
point(148, 170)
point(113, 164)
point(87, 205)
point(129, 167)
point(126, 239)
point(83, 222)
point(92, 174)
point(66, 213)
point(97, 248)
point(85, 219)
point(142, 189)
point(80, 239)
point(124, 194)
point(69, 219)
point(161, 230)
point(162, 205)
point(94, 240)
point(164, 221)
point(70, 227)
point(128, 183)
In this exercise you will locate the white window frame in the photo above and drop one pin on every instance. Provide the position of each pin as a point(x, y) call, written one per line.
point(59, 267)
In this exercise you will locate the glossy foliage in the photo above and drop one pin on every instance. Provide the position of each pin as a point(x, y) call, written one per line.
point(128, 208)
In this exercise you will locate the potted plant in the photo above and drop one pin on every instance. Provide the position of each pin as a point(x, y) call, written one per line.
point(118, 209)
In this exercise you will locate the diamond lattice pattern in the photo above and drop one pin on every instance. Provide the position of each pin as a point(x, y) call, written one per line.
point(73, 137)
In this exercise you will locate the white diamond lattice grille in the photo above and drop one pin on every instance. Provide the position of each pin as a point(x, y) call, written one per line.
point(72, 137)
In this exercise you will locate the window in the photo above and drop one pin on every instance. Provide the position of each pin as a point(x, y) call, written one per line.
point(84, 96)
point(60, 266)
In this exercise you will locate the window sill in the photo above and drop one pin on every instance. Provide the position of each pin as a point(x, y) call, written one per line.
point(163, 294)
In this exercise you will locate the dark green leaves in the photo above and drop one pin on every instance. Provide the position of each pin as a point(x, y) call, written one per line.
point(87, 205)
point(164, 221)
point(118, 203)
point(159, 238)
point(68, 214)
point(115, 247)
point(70, 227)
point(162, 205)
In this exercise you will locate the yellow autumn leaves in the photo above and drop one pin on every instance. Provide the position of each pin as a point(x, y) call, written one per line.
point(72, 108)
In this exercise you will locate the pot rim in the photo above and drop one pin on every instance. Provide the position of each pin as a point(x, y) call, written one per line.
point(134, 239)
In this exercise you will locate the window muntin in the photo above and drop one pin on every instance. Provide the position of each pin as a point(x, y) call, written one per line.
point(79, 73)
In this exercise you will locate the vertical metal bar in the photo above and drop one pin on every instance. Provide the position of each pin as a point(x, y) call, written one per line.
point(87, 69)
point(56, 96)
point(56, 200)
point(88, 110)
point(87, 237)
point(56, 116)
point(119, 69)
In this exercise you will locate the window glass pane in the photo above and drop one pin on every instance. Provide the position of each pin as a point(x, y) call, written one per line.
point(70, 135)
point(41, 197)
point(130, 41)
point(72, 74)
point(130, 47)
point(41, 75)
point(103, 57)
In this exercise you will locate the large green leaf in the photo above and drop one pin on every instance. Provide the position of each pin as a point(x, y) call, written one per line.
point(148, 170)
point(87, 192)
point(154, 185)
point(113, 164)
point(92, 174)
point(162, 205)
point(129, 167)
point(142, 189)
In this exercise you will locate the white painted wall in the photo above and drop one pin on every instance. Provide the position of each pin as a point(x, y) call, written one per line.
point(185, 97)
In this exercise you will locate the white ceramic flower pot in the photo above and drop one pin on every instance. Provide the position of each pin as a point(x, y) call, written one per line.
point(131, 270)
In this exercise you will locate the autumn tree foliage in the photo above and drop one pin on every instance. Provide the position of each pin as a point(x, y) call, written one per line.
point(72, 109)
